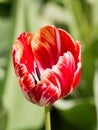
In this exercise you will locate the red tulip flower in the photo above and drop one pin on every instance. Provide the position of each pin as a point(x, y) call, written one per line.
point(47, 64)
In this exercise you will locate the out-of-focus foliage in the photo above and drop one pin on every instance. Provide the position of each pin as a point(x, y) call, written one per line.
point(78, 111)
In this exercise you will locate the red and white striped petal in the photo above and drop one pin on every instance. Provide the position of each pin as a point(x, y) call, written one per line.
point(56, 82)
point(22, 51)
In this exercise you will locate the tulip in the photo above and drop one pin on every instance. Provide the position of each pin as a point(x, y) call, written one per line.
point(47, 64)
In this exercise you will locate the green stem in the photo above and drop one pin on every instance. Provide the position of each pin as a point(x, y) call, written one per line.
point(47, 118)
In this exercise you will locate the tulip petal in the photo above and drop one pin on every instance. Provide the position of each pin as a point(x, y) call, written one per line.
point(77, 73)
point(67, 43)
point(45, 47)
point(22, 52)
point(56, 82)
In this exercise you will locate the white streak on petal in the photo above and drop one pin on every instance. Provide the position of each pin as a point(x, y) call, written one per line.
point(17, 47)
point(59, 86)
point(57, 81)
point(43, 99)
point(46, 100)
point(78, 68)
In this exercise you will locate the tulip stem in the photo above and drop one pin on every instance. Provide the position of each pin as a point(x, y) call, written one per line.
point(47, 118)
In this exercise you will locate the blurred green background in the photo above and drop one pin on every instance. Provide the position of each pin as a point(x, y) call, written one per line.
point(78, 111)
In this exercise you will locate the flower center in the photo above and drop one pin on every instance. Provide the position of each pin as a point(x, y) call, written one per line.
point(36, 74)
